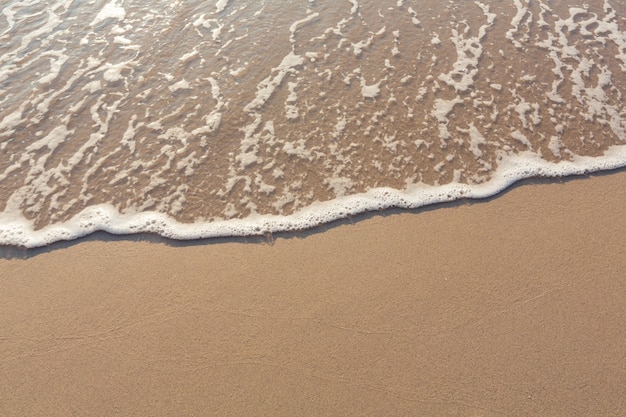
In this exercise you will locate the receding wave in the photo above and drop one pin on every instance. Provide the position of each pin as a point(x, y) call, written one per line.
point(198, 119)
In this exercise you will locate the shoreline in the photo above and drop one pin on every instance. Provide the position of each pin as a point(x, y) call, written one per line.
point(17, 231)
point(24, 252)
point(512, 305)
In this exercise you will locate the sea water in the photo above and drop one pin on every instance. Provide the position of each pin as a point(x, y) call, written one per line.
point(197, 118)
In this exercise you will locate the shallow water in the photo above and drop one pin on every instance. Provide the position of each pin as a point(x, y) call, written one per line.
point(196, 119)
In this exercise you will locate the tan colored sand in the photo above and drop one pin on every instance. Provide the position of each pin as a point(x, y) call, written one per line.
point(512, 307)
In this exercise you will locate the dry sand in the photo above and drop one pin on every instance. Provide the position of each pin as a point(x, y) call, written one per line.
point(513, 307)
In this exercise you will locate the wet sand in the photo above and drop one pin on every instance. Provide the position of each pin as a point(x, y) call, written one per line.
point(513, 306)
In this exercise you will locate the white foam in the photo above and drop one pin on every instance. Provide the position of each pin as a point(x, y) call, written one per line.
point(339, 185)
point(555, 145)
point(370, 91)
point(291, 110)
point(55, 67)
point(355, 6)
point(296, 118)
point(443, 107)
point(469, 50)
point(18, 231)
point(266, 88)
point(358, 47)
point(476, 140)
point(295, 25)
point(520, 137)
point(122, 40)
point(522, 10)
point(110, 11)
point(414, 18)
point(221, 5)
point(9, 122)
point(53, 139)
point(113, 73)
point(179, 85)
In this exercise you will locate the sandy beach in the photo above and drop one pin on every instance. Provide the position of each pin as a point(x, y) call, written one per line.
point(508, 307)
point(193, 119)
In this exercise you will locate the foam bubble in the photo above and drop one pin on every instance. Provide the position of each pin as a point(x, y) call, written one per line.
point(370, 91)
point(17, 231)
point(221, 5)
point(111, 10)
point(183, 116)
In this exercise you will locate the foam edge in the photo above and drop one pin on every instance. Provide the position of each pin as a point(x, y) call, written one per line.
point(15, 230)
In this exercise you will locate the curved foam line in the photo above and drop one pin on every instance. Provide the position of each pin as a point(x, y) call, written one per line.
point(15, 230)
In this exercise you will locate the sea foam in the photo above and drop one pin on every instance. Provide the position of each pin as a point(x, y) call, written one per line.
point(246, 118)
point(15, 230)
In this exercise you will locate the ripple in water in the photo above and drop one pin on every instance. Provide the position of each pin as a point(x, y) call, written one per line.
point(196, 119)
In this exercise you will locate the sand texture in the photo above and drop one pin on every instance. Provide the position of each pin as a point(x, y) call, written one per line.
point(510, 307)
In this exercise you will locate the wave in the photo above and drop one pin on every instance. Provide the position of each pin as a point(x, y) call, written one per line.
point(18, 231)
